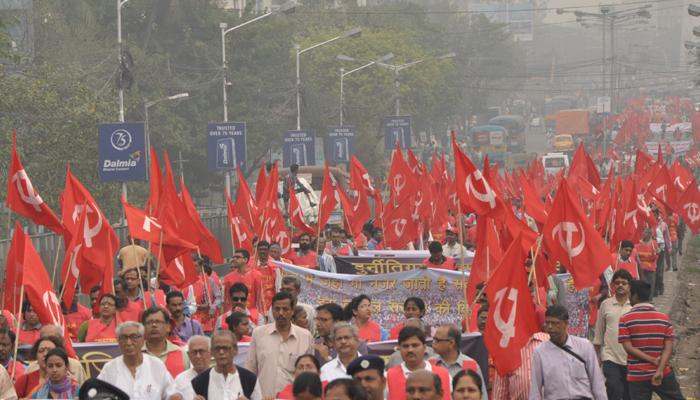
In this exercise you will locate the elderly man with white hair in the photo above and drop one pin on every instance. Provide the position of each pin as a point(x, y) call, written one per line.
point(139, 375)
point(199, 352)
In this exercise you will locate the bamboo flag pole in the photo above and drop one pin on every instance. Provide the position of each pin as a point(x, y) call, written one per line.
point(160, 250)
point(461, 241)
point(138, 271)
point(205, 278)
point(55, 260)
point(4, 270)
point(19, 324)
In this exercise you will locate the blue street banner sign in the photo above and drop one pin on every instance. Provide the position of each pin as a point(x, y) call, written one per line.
point(299, 148)
point(397, 129)
point(226, 146)
point(340, 144)
point(122, 150)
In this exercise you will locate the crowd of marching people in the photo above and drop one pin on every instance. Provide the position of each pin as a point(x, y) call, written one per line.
point(526, 232)
point(182, 344)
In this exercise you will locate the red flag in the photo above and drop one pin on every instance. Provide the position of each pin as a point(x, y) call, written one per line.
point(359, 177)
point(144, 227)
point(328, 202)
point(583, 167)
point(270, 212)
point(296, 215)
point(179, 273)
point(473, 190)
point(354, 224)
point(245, 202)
point(37, 287)
point(533, 205)
point(402, 182)
point(642, 162)
point(261, 184)
point(208, 245)
point(571, 239)
point(487, 257)
point(663, 189)
point(689, 207)
point(241, 233)
point(681, 176)
point(23, 198)
point(400, 225)
point(73, 263)
point(511, 320)
point(13, 271)
point(155, 183)
point(100, 240)
point(174, 219)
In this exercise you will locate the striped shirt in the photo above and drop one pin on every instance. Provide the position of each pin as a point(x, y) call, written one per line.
point(647, 330)
point(516, 385)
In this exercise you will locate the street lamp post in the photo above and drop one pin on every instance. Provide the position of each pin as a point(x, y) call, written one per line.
point(146, 105)
point(343, 74)
point(607, 19)
point(120, 4)
point(397, 68)
point(299, 51)
point(286, 8)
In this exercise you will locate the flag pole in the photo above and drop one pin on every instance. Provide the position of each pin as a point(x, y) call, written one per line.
point(55, 261)
point(19, 324)
point(534, 257)
point(462, 266)
point(138, 271)
point(160, 250)
point(205, 277)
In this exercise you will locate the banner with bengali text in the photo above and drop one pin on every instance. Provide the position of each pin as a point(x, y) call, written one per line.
point(442, 291)
point(374, 262)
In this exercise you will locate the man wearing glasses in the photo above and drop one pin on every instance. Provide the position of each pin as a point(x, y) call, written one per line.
point(446, 341)
point(242, 272)
point(226, 380)
point(157, 326)
point(139, 375)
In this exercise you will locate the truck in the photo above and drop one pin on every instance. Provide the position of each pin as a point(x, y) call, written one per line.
point(573, 122)
point(555, 104)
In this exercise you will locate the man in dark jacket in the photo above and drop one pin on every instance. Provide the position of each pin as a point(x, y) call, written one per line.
point(226, 380)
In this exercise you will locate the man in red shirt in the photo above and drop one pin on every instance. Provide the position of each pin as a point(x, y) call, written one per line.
point(305, 256)
point(624, 260)
point(270, 275)
point(647, 336)
point(437, 260)
point(75, 316)
point(242, 272)
point(337, 247)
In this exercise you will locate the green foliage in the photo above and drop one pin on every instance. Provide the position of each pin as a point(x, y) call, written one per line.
point(176, 47)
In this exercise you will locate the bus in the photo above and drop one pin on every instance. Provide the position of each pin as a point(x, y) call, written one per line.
point(491, 140)
point(515, 126)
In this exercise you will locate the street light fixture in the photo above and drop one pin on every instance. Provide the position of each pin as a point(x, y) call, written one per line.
point(397, 68)
point(146, 105)
point(353, 33)
point(608, 18)
point(343, 74)
point(287, 8)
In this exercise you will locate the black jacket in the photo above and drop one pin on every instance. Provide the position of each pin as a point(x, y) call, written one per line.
point(248, 381)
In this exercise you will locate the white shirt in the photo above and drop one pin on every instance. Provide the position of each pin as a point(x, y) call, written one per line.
point(228, 387)
point(183, 382)
point(152, 380)
point(334, 369)
point(456, 251)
